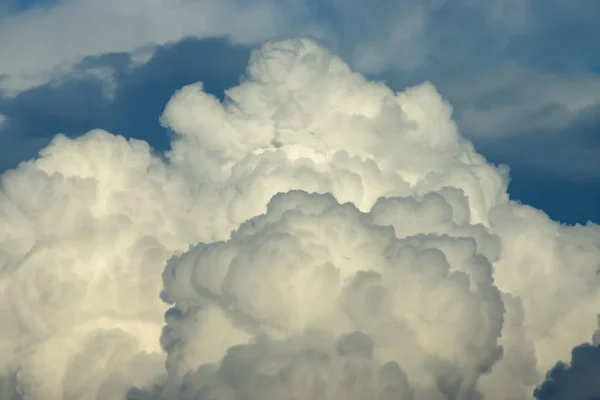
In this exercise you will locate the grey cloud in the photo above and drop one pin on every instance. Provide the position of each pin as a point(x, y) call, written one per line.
point(570, 152)
point(544, 122)
point(267, 368)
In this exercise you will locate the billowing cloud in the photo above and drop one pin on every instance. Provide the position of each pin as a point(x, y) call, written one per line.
point(314, 234)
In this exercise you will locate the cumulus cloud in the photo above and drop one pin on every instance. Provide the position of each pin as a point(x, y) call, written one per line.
point(314, 234)
point(352, 297)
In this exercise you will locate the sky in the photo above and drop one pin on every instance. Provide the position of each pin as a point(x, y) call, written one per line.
point(522, 76)
point(499, 101)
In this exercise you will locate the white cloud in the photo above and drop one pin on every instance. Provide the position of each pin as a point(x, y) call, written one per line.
point(325, 229)
point(312, 265)
point(44, 42)
point(40, 41)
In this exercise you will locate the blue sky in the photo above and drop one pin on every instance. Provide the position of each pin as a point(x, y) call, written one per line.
point(522, 76)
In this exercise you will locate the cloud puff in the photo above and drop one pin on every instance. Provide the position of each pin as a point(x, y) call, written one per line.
point(334, 237)
point(79, 300)
point(365, 297)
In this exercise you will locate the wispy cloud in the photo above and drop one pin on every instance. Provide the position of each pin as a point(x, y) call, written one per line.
point(372, 36)
point(41, 42)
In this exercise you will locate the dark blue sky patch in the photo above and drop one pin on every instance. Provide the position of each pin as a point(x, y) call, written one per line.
point(76, 105)
point(575, 381)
